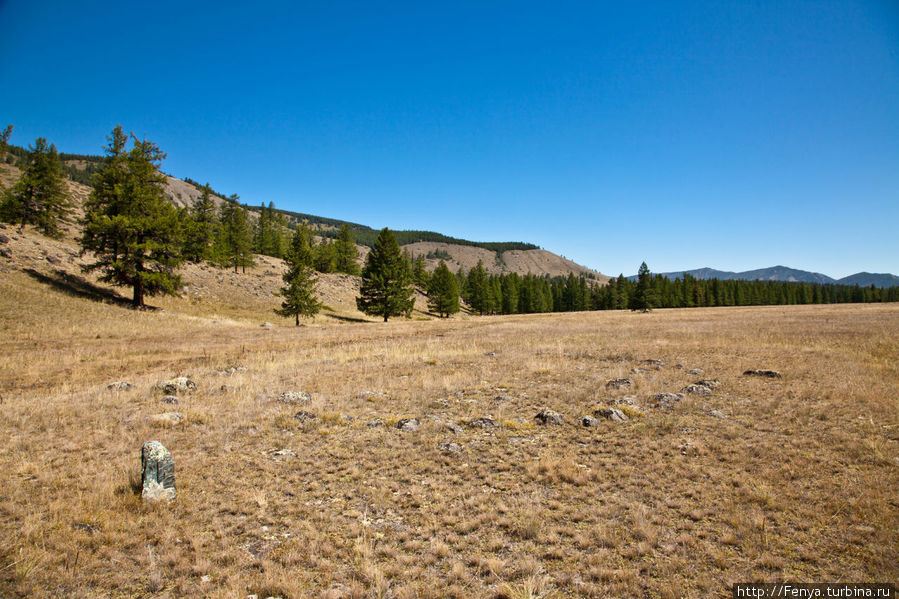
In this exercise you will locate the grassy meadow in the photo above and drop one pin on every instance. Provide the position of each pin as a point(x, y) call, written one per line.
point(798, 481)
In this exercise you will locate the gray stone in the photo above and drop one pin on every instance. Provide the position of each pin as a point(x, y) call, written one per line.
point(304, 416)
point(627, 400)
point(695, 371)
point(375, 423)
point(266, 325)
point(53, 260)
point(157, 472)
point(613, 414)
point(696, 390)
point(284, 453)
point(665, 400)
point(716, 414)
point(173, 386)
point(4, 239)
point(450, 448)
point(710, 383)
point(588, 420)
point(502, 398)
point(619, 383)
point(771, 374)
point(294, 397)
point(483, 423)
point(167, 418)
point(120, 386)
point(372, 395)
point(170, 399)
point(453, 428)
point(654, 363)
point(408, 424)
point(546, 416)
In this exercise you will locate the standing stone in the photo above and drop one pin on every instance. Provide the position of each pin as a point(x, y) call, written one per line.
point(157, 472)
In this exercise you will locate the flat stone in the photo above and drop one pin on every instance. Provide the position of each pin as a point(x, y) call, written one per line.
point(453, 428)
point(502, 398)
point(294, 397)
point(284, 453)
point(710, 383)
point(619, 383)
point(771, 374)
point(695, 371)
point(716, 414)
point(266, 325)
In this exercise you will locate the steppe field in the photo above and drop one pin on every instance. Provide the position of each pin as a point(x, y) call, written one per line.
point(764, 479)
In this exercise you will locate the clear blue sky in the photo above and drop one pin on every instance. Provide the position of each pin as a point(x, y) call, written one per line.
point(734, 135)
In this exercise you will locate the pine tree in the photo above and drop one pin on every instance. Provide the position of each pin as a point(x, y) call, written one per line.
point(345, 250)
point(4, 139)
point(478, 289)
point(443, 291)
point(644, 297)
point(420, 272)
point(236, 243)
point(299, 295)
point(200, 227)
point(132, 230)
point(325, 256)
point(39, 197)
point(386, 283)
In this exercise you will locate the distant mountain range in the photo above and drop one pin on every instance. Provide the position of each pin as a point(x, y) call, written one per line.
point(784, 273)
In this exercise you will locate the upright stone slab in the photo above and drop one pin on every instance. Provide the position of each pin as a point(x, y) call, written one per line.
point(157, 472)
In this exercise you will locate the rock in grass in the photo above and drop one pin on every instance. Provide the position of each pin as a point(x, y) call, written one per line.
point(408, 424)
point(665, 400)
point(483, 423)
point(375, 423)
point(450, 448)
point(167, 418)
point(157, 472)
point(619, 383)
point(710, 383)
point(613, 414)
point(546, 416)
point(771, 374)
point(696, 390)
point(588, 420)
point(173, 386)
point(170, 399)
point(304, 416)
point(120, 386)
point(294, 397)
point(453, 428)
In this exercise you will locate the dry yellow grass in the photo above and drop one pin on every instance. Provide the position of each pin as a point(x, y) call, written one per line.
point(798, 482)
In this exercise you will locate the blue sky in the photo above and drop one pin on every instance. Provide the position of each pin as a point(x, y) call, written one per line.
point(735, 135)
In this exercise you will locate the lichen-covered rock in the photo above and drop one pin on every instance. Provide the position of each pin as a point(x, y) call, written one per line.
point(120, 386)
point(771, 374)
point(665, 400)
point(696, 390)
point(294, 397)
point(483, 423)
point(173, 386)
point(408, 424)
point(547, 416)
point(157, 472)
point(613, 414)
point(619, 383)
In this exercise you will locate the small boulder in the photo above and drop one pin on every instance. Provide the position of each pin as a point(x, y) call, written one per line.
point(450, 448)
point(408, 424)
point(167, 418)
point(697, 390)
point(588, 420)
point(483, 423)
point(771, 374)
point(283, 453)
point(120, 386)
point(375, 423)
point(170, 399)
point(613, 414)
point(619, 383)
point(157, 472)
point(716, 414)
point(710, 383)
point(173, 386)
point(291, 397)
point(665, 400)
point(453, 428)
point(304, 416)
point(546, 416)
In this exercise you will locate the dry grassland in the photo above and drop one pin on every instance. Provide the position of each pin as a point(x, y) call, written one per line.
point(798, 482)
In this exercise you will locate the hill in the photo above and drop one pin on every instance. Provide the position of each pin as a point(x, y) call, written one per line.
point(866, 279)
point(786, 274)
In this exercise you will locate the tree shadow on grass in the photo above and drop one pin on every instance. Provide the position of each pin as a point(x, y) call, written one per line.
point(346, 318)
point(80, 287)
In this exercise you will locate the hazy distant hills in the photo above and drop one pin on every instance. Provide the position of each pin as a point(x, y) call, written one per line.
point(787, 274)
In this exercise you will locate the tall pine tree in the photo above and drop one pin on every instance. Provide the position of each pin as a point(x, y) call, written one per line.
point(443, 291)
point(132, 230)
point(235, 239)
point(386, 282)
point(200, 228)
point(644, 298)
point(346, 252)
point(299, 294)
point(39, 197)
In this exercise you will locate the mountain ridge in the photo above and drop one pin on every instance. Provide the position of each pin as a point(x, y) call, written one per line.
point(785, 274)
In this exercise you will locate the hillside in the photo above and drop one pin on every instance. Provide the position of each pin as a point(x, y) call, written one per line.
point(786, 274)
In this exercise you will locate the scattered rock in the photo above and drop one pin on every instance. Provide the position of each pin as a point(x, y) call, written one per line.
point(450, 448)
point(654, 363)
point(408, 424)
point(375, 423)
point(546, 416)
point(613, 414)
point(716, 414)
point(4, 239)
point(665, 400)
point(453, 428)
point(233, 369)
point(371, 395)
point(627, 400)
point(266, 325)
point(304, 416)
point(588, 420)
point(502, 398)
point(120, 386)
point(619, 383)
point(695, 371)
point(483, 423)
point(294, 397)
point(157, 472)
point(697, 390)
point(167, 418)
point(710, 383)
point(53, 260)
point(491, 354)
point(6, 252)
point(284, 453)
point(170, 399)
point(771, 374)
point(86, 527)
point(173, 386)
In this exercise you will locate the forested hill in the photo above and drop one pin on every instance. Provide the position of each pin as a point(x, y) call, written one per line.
point(784, 274)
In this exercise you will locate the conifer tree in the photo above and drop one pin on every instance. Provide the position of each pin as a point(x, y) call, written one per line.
point(236, 243)
point(644, 297)
point(420, 272)
point(132, 230)
point(299, 294)
point(4, 139)
point(345, 252)
point(325, 256)
point(443, 291)
point(200, 227)
point(39, 197)
point(478, 289)
point(386, 283)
